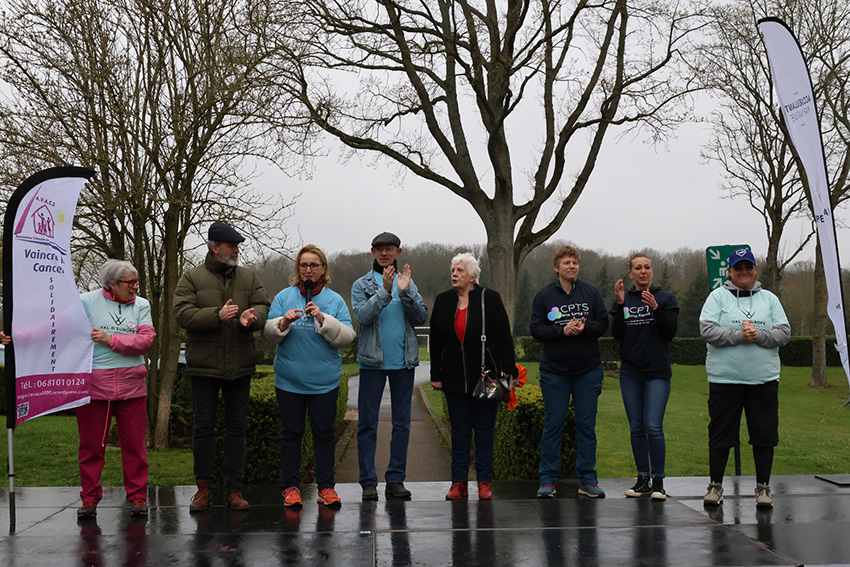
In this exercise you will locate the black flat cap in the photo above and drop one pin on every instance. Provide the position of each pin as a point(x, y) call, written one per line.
point(223, 232)
point(386, 238)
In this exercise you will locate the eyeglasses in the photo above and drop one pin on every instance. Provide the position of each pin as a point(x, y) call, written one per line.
point(306, 266)
point(130, 283)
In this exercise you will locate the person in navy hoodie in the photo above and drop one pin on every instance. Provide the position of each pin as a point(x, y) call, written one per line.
point(309, 323)
point(645, 321)
point(568, 316)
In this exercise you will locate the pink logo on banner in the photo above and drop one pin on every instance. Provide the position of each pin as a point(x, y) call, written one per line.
point(42, 222)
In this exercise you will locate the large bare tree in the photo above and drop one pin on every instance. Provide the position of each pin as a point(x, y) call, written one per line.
point(750, 139)
point(505, 104)
point(171, 102)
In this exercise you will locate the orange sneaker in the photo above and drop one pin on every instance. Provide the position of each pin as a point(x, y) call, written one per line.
point(329, 498)
point(292, 497)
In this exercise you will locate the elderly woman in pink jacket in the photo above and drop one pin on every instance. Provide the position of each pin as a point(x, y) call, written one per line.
point(123, 333)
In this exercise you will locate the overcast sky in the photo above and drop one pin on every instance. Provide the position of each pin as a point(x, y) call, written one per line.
point(639, 196)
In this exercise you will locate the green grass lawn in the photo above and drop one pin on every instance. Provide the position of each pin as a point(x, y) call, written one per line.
point(814, 427)
point(814, 431)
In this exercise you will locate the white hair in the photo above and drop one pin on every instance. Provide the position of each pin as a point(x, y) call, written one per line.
point(113, 271)
point(471, 262)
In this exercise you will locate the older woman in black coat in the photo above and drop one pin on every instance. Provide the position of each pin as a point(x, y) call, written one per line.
point(456, 329)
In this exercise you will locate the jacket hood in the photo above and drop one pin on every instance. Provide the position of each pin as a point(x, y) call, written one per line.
point(738, 292)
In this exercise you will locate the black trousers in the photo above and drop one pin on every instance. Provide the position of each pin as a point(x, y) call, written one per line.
point(293, 409)
point(205, 400)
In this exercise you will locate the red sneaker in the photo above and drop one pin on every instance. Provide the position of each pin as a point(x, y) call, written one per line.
point(329, 498)
point(138, 506)
point(87, 510)
point(458, 490)
point(485, 491)
point(292, 497)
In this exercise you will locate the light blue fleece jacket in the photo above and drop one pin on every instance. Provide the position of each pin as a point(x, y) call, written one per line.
point(731, 359)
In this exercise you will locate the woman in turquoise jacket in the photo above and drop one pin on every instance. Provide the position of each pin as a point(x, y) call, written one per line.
point(309, 322)
point(744, 326)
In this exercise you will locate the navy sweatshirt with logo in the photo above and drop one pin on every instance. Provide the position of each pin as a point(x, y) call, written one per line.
point(553, 308)
point(645, 335)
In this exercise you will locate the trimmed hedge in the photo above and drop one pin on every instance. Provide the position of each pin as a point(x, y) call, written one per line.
point(690, 351)
point(262, 465)
point(516, 454)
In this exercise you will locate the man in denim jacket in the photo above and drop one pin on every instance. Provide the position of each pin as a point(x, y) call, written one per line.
point(388, 306)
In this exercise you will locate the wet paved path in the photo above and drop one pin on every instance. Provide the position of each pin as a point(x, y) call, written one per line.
point(808, 526)
point(427, 459)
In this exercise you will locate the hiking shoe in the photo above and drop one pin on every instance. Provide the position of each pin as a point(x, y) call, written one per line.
point(641, 487)
point(236, 501)
point(329, 498)
point(546, 490)
point(457, 491)
point(292, 497)
point(370, 493)
point(714, 496)
point(87, 510)
point(658, 489)
point(138, 507)
point(763, 497)
point(591, 491)
point(485, 490)
point(397, 490)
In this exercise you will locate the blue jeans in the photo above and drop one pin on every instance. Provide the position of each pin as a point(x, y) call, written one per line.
point(372, 384)
point(557, 390)
point(205, 401)
point(645, 400)
point(468, 414)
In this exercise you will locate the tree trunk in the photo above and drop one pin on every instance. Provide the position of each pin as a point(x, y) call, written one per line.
point(500, 258)
point(819, 327)
point(170, 343)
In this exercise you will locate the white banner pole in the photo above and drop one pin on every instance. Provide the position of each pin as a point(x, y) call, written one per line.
point(796, 97)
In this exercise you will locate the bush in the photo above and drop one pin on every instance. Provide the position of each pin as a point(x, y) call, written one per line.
point(516, 454)
point(798, 352)
point(691, 351)
point(688, 350)
point(529, 349)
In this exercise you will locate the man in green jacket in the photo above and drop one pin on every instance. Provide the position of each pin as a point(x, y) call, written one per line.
point(221, 305)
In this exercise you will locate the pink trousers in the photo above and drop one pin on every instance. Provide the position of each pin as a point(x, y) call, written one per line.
point(93, 422)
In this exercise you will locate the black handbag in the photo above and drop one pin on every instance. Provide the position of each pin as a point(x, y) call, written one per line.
point(493, 385)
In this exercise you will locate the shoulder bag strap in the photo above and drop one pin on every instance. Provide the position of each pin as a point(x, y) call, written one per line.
point(483, 330)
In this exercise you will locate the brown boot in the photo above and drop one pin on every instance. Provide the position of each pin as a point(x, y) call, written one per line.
point(236, 501)
point(202, 500)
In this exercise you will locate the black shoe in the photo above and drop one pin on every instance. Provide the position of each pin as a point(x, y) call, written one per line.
point(641, 487)
point(370, 493)
point(397, 490)
point(658, 489)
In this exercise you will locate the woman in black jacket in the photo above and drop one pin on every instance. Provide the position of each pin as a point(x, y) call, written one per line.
point(645, 321)
point(456, 367)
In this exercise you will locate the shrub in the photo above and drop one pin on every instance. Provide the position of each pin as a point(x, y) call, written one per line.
point(688, 350)
point(529, 349)
point(516, 453)
point(691, 351)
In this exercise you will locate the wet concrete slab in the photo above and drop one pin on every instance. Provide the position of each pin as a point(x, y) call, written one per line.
point(809, 525)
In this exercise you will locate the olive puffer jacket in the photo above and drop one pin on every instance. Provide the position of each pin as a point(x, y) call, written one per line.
point(216, 348)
